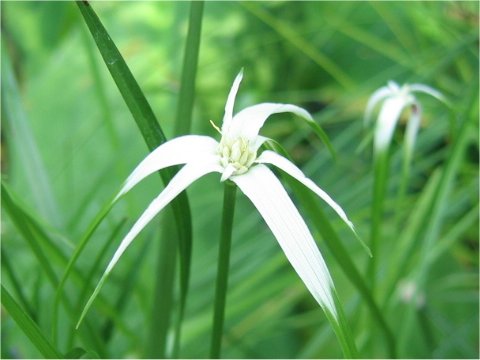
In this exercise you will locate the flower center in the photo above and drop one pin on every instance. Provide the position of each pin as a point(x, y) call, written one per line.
point(236, 153)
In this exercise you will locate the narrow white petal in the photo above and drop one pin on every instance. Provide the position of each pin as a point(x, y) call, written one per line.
point(188, 174)
point(427, 90)
point(259, 141)
point(267, 194)
point(248, 122)
point(227, 117)
point(270, 157)
point(387, 120)
point(177, 151)
point(227, 172)
point(374, 99)
point(412, 128)
point(394, 87)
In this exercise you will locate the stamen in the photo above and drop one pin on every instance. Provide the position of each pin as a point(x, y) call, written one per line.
point(236, 156)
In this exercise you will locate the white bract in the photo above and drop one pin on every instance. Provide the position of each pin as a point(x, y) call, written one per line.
point(395, 100)
point(236, 158)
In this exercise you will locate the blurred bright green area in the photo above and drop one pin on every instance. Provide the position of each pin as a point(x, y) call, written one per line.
point(72, 142)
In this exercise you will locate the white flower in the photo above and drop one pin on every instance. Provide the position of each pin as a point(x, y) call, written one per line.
point(395, 99)
point(236, 157)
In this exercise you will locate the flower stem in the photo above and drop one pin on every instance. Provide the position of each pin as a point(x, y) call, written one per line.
point(403, 186)
point(222, 269)
point(381, 166)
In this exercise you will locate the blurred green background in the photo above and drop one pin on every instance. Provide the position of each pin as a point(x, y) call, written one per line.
point(68, 142)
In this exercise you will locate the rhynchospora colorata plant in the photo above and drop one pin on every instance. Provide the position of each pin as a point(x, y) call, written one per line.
point(395, 99)
point(239, 159)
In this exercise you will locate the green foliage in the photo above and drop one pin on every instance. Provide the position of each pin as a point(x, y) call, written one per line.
point(70, 137)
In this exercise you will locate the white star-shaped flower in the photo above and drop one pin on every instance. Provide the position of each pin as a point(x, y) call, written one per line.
point(236, 157)
point(395, 100)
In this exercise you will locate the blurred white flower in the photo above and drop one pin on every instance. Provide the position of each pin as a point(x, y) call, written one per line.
point(236, 158)
point(410, 293)
point(395, 100)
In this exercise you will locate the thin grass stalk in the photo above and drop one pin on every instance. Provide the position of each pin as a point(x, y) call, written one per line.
point(404, 182)
point(100, 92)
point(124, 295)
point(186, 95)
point(222, 269)
point(94, 270)
point(294, 38)
point(28, 326)
point(381, 168)
point(145, 119)
point(342, 330)
point(436, 213)
point(163, 291)
point(28, 231)
point(71, 264)
point(183, 126)
point(10, 272)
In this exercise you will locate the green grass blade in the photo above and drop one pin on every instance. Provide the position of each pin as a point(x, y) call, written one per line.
point(9, 206)
point(126, 292)
point(32, 235)
point(435, 215)
point(10, 272)
point(380, 180)
point(29, 156)
point(221, 284)
point(454, 234)
point(342, 330)
point(100, 90)
point(28, 326)
point(144, 117)
point(407, 244)
point(126, 83)
point(182, 126)
point(323, 137)
point(189, 70)
point(288, 32)
point(159, 321)
point(95, 268)
point(28, 225)
point(71, 263)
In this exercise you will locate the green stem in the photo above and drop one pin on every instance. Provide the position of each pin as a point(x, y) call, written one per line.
point(28, 326)
point(182, 126)
point(189, 70)
point(222, 270)
point(164, 286)
point(402, 189)
point(342, 330)
point(381, 166)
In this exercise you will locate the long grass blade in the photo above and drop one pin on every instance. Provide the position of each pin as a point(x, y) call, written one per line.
point(286, 31)
point(433, 220)
point(31, 234)
point(182, 126)
point(142, 114)
point(29, 155)
point(380, 182)
point(10, 272)
point(28, 326)
point(9, 205)
point(222, 269)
